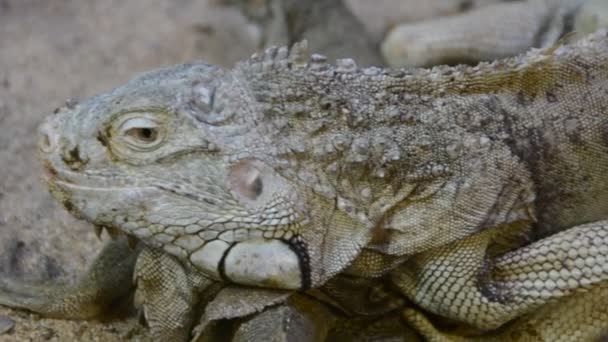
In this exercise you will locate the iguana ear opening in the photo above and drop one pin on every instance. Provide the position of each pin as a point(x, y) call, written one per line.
point(246, 181)
point(304, 240)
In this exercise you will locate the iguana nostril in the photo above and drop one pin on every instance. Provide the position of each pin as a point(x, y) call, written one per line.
point(52, 143)
point(74, 153)
point(73, 159)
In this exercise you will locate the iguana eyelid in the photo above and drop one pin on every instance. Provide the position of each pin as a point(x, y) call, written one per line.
point(130, 122)
point(138, 122)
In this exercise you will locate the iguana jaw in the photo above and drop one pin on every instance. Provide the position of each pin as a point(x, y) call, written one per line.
point(275, 262)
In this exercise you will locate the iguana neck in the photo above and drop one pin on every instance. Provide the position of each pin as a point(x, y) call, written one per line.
point(344, 131)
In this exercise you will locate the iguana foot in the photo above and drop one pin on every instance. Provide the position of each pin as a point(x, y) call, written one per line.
point(108, 279)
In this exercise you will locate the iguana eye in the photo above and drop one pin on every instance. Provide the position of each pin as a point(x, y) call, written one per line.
point(144, 134)
point(141, 133)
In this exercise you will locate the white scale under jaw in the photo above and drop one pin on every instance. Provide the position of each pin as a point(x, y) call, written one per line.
point(259, 262)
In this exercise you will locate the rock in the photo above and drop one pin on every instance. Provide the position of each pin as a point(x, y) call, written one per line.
point(6, 324)
point(592, 16)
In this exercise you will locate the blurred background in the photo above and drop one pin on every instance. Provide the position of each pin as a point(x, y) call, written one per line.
point(52, 51)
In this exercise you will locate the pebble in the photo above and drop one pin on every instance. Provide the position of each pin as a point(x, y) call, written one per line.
point(6, 324)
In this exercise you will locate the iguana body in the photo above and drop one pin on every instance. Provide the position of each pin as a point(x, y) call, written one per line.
point(332, 198)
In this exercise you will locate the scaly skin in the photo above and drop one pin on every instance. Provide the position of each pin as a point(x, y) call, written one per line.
point(288, 188)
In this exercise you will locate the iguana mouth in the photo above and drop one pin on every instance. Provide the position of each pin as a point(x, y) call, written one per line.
point(52, 174)
point(66, 178)
point(49, 173)
point(59, 181)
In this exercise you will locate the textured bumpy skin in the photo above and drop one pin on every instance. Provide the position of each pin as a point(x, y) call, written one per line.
point(461, 202)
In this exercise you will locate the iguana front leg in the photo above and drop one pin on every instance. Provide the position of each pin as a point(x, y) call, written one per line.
point(460, 282)
point(108, 279)
point(168, 294)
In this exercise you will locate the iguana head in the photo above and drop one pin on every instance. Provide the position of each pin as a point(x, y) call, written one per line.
point(182, 159)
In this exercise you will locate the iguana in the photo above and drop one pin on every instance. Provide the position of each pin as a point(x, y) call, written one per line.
point(292, 199)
